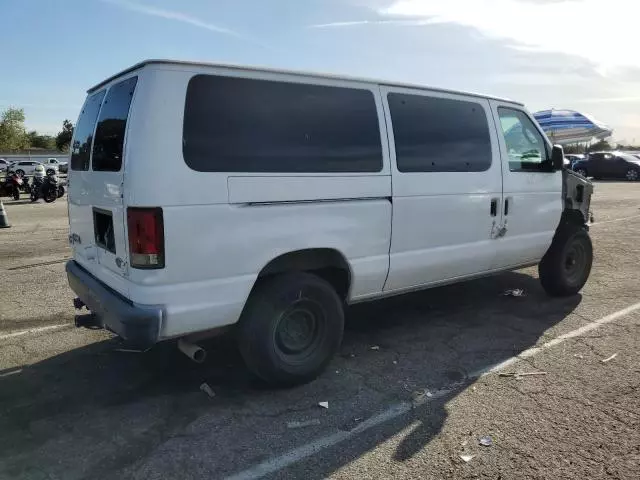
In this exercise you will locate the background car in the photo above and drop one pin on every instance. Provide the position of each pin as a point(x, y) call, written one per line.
point(27, 167)
point(574, 157)
point(62, 166)
point(3, 164)
point(609, 165)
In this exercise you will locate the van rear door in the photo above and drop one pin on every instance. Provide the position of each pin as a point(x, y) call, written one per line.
point(96, 177)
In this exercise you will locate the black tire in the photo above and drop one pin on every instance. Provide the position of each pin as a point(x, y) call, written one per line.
point(291, 328)
point(16, 194)
point(566, 266)
point(50, 195)
point(60, 191)
point(34, 195)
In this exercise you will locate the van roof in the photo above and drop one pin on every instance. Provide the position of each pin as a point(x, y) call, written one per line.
point(288, 72)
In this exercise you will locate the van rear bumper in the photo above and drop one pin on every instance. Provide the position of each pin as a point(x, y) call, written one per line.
point(138, 325)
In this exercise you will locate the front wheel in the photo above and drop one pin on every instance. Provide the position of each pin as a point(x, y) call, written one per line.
point(60, 191)
point(290, 329)
point(34, 195)
point(632, 175)
point(16, 194)
point(566, 266)
point(50, 195)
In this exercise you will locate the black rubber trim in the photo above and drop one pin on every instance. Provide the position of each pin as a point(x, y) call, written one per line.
point(138, 325)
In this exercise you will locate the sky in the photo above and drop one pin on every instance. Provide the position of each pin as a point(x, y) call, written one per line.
point(576, 54)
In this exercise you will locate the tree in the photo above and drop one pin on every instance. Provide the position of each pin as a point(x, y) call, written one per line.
point(63, 139)
point(12, 133)
point(600, 145)
point(41, 141)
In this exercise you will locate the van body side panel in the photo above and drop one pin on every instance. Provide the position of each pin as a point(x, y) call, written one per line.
point(222, 228)
point(215, 253)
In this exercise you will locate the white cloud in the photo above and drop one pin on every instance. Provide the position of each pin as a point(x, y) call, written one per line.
point(603, 32)
point(611, 100)
point(172, 15)
point(356, 23)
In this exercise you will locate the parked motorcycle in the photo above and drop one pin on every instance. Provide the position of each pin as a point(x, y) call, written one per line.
point(11, 185)
point(25, 187)
point(47, 188)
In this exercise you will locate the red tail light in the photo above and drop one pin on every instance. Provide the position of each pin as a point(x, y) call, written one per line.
point(146, 237)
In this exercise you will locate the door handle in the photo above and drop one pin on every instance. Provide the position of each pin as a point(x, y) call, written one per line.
point(506, 207)
point(494, 207)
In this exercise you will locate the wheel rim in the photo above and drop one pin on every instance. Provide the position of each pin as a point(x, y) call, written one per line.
point(632, 174)
point(299, 330)
point(575, 262)
point(581, 172)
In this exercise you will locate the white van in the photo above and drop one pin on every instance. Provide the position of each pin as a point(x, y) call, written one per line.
point(207, 196)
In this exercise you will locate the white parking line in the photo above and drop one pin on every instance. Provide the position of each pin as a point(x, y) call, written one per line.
point(33, 330)
point(276, 464)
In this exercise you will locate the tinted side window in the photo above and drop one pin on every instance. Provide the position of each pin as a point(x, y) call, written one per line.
point(439, 134)
point(83, 133)
point(525, 145)
point(247, 125)
point(112, 124)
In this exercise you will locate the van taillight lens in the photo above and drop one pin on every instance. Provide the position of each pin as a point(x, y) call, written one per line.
point(146, 237)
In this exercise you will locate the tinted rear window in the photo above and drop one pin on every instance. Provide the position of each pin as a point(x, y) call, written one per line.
point(83, 134)
point(112, 124)
point(439, 134)
point(247, 125)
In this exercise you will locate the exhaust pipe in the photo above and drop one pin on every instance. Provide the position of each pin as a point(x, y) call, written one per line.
point(193, 351)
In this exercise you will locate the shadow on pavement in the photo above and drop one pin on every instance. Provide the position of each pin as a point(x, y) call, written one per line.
point(392, 349)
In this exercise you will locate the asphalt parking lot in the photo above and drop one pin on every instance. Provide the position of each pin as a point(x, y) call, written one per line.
point(416, 384)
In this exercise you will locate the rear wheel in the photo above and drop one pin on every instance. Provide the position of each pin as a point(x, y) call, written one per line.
point(16, 193)
point(50, 195)
point(566, 266)
point(632, 175)
point(290, 329)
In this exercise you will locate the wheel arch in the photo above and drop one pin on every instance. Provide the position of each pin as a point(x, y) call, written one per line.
point(328, 263)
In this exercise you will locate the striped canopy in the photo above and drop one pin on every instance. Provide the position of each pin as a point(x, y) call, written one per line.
point(567, 126)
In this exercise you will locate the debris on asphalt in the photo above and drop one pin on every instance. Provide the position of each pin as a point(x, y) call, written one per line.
point(323, 404)
point(467, 458)
point(486, 441)
point(207, 389)
point(358, 419)
point(420, 397)
point(395, 362)
point(464, 444)
point(374, 347)
point(514, 292)
point(578, 355)
point(520, 374)
point(608, 359)
point(304, 423)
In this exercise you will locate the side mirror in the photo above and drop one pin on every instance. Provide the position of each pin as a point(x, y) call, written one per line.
point(557, 158)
